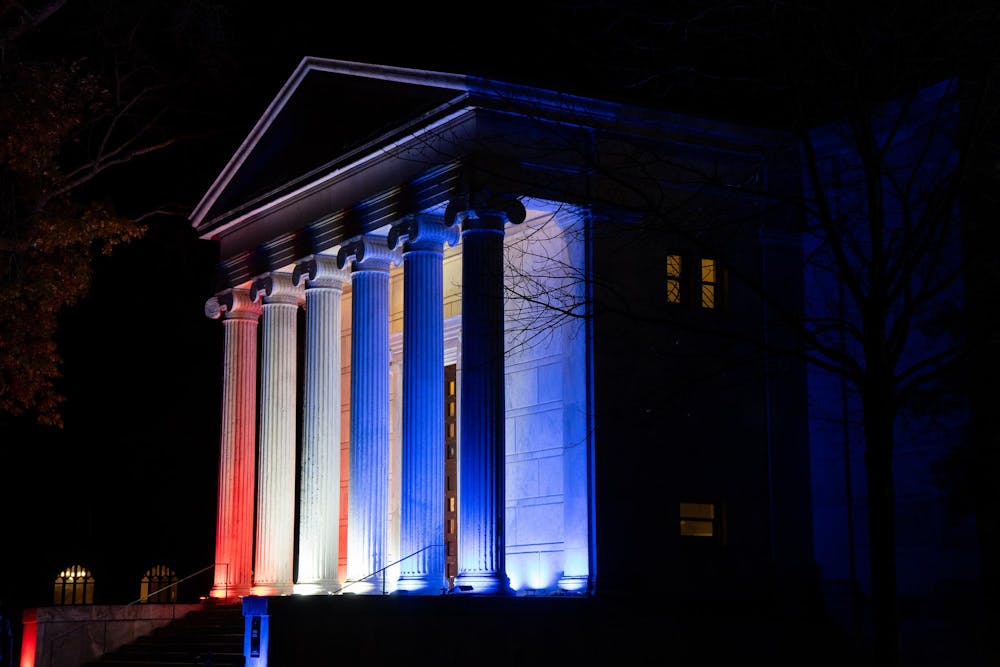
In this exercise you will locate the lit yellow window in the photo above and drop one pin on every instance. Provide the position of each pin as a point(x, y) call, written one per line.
point(674, 266)
point(708, 283)
point(159, 584)
point(697, 519)
point(74, 585)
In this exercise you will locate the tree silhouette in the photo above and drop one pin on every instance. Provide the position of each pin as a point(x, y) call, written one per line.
point(890, 113)
point(86, 93)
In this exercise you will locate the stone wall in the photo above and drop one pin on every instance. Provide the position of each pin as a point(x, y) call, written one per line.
point(70, 635)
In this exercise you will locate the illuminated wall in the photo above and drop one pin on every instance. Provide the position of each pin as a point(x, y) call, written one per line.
point(547, 413)
point(547, 490)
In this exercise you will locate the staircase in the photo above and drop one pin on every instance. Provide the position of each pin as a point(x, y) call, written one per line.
point(212, 636)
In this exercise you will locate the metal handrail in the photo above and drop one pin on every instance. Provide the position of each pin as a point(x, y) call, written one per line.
point(384, 568)
point(77, 628)
point(176, 583)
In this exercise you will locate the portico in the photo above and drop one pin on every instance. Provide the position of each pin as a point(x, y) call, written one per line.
point(354, 287)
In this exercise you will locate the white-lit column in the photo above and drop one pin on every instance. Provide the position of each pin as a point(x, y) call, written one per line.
point(234, 518)
point(481, 456)
point(275, 547)
point(368, 488)
point(422, 513)
point(319, 468)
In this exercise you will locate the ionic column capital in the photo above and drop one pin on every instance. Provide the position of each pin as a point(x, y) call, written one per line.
point(232, 304)
point(368, 253)
point(422, 232)
point(320, 271)
point(276, 287)
point(483, 209)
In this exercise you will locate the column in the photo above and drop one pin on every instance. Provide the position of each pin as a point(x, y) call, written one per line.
point(368, 489)
point(319, 468)
point(481, 457)
point(422, 513)
point(234, 518)
point(273, 559)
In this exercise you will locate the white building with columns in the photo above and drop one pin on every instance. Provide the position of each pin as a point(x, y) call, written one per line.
point(426, 389)
point(334, 449)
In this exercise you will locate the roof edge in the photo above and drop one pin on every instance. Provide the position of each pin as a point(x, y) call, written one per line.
point(428, 78)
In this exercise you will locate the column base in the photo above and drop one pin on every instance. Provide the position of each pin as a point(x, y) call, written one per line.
point(369, 586)
point(482, 584)
point(421, 585)
point(223, 592)
point(575, 584)
point(322, 587)
point(265, 590)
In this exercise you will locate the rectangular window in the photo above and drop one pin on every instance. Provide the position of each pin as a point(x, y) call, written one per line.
point(698, 520)
point(708, 283)
point(674, 273)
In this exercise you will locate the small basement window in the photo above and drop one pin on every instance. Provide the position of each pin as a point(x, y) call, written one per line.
point(699, 520)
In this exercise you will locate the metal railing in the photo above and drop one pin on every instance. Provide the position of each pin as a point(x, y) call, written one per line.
point(76, 628)
point(386, 567)
point(176, 583)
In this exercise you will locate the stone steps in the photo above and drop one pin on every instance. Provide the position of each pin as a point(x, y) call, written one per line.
point(211, 636)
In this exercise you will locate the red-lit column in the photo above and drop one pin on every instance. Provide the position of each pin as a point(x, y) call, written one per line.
point(481, 455)
point(234, 519)
point(275, 543)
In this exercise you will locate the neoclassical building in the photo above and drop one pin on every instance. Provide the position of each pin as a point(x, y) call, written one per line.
point(390, 421)
point(435, 379)
point(488, 339)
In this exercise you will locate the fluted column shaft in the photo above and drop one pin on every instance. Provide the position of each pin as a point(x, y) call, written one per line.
point(275, 545)
point(319, 468)
point(368, 487)
point(234, 518)
point(423, 509)
point(481, 506)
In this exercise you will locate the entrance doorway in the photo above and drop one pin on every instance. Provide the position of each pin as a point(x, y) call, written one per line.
point(450, 474)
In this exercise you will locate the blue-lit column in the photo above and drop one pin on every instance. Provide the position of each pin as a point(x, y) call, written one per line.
point(368, 488)
point(319, 467)
point(273, 556)
point(481, 456)
point(234, 519)
point(422, 511)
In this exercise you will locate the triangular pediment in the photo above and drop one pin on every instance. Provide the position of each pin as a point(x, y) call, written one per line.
point(325, 111)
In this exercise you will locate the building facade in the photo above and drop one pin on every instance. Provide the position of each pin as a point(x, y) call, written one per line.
point(494, 340)
point(485, 241)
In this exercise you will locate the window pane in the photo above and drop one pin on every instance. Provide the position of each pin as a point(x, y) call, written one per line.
point(697, 511)
point(708, 296)
point(673, 266)
point(708, 270)
point(673, 291)
point(696, 528)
